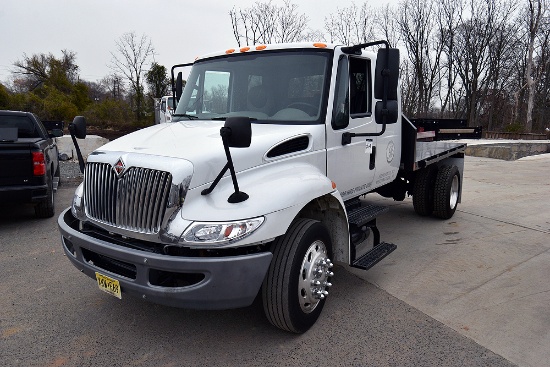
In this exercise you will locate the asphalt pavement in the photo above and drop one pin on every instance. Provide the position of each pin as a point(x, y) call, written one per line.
point(469, 291)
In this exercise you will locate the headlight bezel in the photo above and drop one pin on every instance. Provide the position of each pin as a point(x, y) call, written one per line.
point(218, 234)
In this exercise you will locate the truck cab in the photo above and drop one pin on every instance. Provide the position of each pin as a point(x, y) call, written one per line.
point(166, 109)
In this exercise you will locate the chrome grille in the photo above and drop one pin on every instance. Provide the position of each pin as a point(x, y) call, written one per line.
point(136, 201)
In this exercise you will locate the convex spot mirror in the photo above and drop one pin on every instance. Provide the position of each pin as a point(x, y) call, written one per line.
point(237, 132)
point(391, 112)
point(78, 127)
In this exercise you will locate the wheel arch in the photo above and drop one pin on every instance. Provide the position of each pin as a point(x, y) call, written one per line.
point(329, 210)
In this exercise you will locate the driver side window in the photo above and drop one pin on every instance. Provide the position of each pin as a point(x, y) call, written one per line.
point(340, 109)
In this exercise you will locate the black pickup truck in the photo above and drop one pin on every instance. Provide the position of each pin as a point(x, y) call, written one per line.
point(29, 164)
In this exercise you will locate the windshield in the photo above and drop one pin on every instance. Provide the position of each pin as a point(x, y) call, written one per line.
point(270, 87)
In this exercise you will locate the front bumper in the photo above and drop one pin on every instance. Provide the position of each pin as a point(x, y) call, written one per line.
point(208, 282)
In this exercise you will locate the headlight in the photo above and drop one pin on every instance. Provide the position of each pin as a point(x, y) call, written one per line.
point(77, 208)
point(220, 233)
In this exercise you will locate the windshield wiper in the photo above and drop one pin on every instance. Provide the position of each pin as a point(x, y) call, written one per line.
point(223, 118)
point(190, 117)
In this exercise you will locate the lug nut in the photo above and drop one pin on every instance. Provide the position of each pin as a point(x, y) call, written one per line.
point(330, 274)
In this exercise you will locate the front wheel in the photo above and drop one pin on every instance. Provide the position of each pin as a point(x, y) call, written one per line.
point(446, 192)
point(296, 285)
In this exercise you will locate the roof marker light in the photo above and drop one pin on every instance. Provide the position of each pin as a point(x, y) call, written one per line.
point(320, 45)
point(230, 51)
point(244, 49)
point(261, 47)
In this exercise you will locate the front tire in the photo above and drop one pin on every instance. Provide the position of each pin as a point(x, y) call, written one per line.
point(446, 192)
point(296, 285)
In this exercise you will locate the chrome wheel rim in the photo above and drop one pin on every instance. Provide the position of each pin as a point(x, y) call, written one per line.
point(454, 192)
point(314, 274)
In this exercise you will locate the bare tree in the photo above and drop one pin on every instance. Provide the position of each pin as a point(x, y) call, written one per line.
point(265, 22)
point(536, 10)
point(385, 25)
point(450, 14)
point(471, 50)
point(131, 56)
point(351, 25)
point(417, 23)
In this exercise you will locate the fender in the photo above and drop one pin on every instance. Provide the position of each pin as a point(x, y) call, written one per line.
point(275, 191)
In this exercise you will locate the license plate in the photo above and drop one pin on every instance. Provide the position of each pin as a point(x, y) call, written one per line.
point(109, 285)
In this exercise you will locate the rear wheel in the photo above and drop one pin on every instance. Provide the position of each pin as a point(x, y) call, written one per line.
point(423, 191)
point(296, 285)
point(447, 189)
point(45, 208)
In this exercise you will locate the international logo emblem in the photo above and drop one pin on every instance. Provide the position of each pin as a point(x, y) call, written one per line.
point(119, 167)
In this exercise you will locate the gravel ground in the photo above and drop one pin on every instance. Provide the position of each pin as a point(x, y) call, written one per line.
point(70, 172)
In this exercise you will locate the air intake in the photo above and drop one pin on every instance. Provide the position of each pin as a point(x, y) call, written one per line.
point(290, 146)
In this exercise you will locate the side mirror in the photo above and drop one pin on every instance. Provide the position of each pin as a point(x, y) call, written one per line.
point(237, 132)
point(391, 56)
point(179, 86)
point(78, 127)
point(388, 115)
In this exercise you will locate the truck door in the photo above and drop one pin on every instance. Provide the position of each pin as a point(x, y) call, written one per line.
point(351, 166)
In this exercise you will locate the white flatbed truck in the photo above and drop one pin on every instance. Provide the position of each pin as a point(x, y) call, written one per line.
point(253, 189)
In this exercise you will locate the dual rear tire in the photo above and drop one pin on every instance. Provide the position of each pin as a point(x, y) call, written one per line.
point(436, 191)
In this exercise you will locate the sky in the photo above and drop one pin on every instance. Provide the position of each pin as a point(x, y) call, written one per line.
point(180, 30)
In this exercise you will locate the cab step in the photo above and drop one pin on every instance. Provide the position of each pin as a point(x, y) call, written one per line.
point(364, 214)
point(372, 257)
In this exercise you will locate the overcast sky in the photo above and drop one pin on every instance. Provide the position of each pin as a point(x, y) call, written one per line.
point(180, 30)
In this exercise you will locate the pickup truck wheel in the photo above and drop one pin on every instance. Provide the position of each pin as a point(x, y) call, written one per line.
point(296, 285)
point(423, 191)
point(447, 188)
point(46, 209)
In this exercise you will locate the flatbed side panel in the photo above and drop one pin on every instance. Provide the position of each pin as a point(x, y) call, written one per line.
point(430, 152)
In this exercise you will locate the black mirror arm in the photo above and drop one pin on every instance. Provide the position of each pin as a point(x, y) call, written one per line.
point(238, 196)
point(76, 147)
point(346, 137)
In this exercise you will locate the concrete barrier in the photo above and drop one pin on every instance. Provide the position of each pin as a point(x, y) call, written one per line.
point(67, 150)
point(508, 151)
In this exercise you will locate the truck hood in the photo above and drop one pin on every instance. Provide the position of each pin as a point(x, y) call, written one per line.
point(200, 143)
